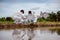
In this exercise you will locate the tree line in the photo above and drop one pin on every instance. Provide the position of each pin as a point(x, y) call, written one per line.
point(52, 17)
point(6, 19)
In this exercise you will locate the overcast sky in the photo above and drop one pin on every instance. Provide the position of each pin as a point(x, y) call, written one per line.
point(9, 7)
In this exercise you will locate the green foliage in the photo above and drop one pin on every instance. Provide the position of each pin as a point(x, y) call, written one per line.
point(41, 19)
point(2, 19)
point(58, 15)
point(52, 17)
point(6, 19)
point(9, 19)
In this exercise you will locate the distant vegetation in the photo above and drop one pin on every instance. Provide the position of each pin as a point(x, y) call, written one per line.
point(6, 19)
point(53, 17)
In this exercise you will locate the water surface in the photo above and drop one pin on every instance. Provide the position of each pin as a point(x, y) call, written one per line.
point(38, 35)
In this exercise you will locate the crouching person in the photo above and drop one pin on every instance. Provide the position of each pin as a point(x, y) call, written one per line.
point(19, 17)
point(31, 17)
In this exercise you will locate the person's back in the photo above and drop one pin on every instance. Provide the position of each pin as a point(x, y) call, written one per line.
point(19, 17)
point(30, 17)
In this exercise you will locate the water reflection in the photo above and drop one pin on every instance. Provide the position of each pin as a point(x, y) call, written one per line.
point(29, 34)
point(19, 34)
point(55, 30)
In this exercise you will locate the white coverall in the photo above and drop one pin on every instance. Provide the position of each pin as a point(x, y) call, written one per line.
point(19, 18)
point(31, 18)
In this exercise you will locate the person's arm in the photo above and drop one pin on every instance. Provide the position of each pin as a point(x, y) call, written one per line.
point(35, 17)
point(23, 16)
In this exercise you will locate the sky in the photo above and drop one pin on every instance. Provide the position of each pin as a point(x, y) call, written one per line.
point(10, 7)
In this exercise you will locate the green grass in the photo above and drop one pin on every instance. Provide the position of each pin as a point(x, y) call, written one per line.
point(6, 22)
point(45, 22)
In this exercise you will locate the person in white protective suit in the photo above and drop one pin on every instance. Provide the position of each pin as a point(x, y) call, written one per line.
point(19, 17)
point(31, 17)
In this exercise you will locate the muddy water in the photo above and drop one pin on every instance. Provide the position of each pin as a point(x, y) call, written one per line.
point(28, 34)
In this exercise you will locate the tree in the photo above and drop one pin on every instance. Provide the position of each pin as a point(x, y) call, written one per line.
point(58, 15)
point(2, 19)
point(52, 17)
point(9, 19)
point(41, 19)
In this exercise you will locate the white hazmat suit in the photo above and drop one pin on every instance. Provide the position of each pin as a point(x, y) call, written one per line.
point(19, 18)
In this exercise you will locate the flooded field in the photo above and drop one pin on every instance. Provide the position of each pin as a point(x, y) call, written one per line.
point(28, 34)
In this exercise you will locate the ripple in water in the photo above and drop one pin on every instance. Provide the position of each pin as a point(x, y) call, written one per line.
point(25, 34)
